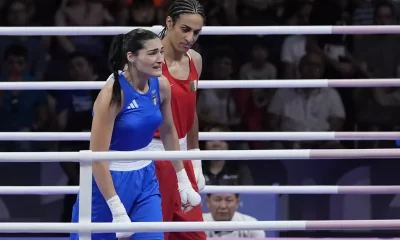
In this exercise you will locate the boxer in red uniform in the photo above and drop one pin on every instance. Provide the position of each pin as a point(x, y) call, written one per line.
point(182, 67)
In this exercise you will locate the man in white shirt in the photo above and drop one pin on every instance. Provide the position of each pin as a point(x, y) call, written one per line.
point(223, 208)
point(308, 109)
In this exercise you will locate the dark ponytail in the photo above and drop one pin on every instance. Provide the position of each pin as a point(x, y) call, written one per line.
point(116, 63)
point(132, 42)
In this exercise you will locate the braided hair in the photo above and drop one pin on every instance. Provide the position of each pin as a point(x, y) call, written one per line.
point(180, 7)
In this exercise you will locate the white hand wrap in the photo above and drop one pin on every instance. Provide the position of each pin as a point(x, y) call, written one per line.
point(119, 215)
point(186, 191)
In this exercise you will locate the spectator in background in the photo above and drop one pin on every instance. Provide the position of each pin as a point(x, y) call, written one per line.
point(79, 13)
point(18, 16)
point(334, 49)
point(82, 13)
point(24, 111)
point(370, 49)
point(363, 13)
point(258, 12)
point(222, 12)
point(75, 115)
point(221, 172)
point(218, 105)
point(139, 13)
point(223, 207)
point(294, 46)
point(308, 109)
point(251, 102)
point(259, 68)
point(75, 106)
point(377, 108)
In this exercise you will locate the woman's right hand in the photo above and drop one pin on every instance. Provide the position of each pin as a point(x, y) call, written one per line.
point(119, 215)
point(189, 197)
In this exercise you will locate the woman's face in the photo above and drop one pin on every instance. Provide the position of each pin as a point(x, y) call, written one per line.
point(216, 145)
point(149, 59)
point(185, 31)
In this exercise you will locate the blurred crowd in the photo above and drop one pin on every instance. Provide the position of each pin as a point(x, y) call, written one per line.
point(83, 58)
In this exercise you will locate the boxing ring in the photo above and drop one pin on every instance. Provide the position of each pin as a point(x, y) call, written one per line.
point(86, 157)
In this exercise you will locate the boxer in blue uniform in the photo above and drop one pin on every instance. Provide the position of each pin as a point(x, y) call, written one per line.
point(127, 112)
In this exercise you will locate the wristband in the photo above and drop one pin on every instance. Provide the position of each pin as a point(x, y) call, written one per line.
point(112, 202)
point(116, 206)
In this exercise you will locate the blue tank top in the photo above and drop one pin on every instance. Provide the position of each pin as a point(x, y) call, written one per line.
point(139, 118)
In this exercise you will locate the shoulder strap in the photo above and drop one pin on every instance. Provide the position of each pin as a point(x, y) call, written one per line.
point(188, 55)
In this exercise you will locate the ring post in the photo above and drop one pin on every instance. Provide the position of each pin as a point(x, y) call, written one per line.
point(85, 193)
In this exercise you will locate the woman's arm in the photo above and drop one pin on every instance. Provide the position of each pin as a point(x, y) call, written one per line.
point(102, 127)
point(168, 134)
point(169, 137)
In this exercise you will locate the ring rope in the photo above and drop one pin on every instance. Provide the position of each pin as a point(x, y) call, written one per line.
point(318, 189)
point(199, 226)
point(88, 156)
point(207, 30)
point(207, 136)
point(216, 84)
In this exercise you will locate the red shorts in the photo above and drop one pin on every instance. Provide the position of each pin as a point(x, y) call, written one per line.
point(171, 202)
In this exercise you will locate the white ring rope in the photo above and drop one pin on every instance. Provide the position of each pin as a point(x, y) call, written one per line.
point(214, 84)
point(318, 189)
point(226, 136)
point(207, 30)
point(199, 226)
point(88, 156)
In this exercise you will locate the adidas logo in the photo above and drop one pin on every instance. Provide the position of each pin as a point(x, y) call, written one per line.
point(133, 105)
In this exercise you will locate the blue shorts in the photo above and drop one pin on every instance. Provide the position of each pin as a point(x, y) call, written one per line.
point(138, 191)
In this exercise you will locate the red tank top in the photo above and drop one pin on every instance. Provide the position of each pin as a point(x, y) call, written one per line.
point(183, 99)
